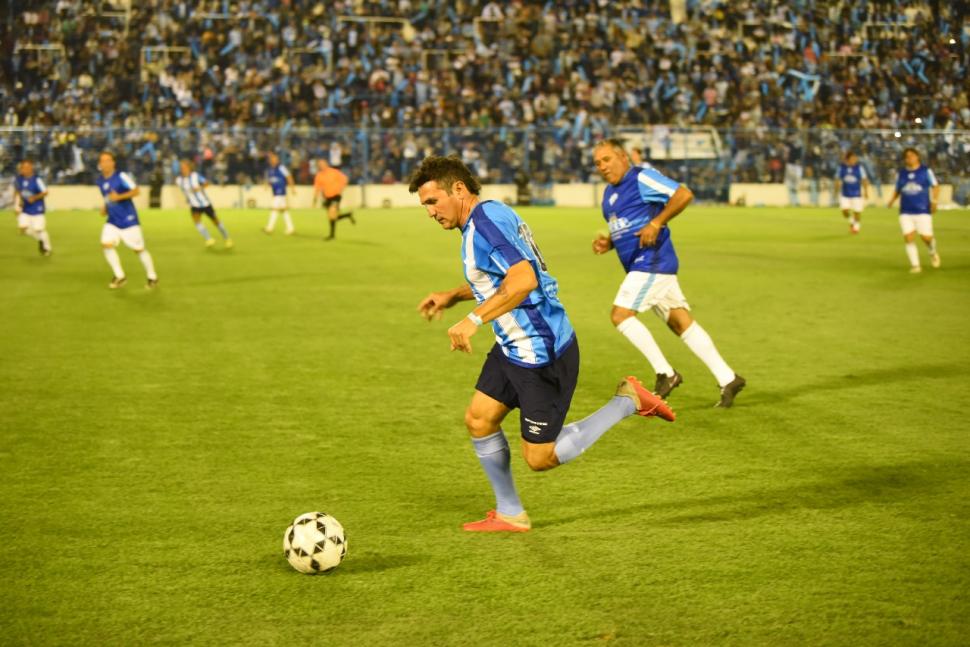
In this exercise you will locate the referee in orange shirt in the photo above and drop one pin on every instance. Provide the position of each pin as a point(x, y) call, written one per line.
point(328, 184)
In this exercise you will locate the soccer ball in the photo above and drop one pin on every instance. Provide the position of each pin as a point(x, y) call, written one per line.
point(314, 543)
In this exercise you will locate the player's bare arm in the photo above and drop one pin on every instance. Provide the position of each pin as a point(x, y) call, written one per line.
point(934, 197)
point(677, 203)
point(892, 199)
point(519, 281)
point(435, 303)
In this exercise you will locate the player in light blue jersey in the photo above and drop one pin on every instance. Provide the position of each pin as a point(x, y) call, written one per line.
point(193, 187)
point(280, 180)
point(534, 363)
point(122, 223)
point(853, 186)
point(31, 191)
point(920, 191)
point(637, 204)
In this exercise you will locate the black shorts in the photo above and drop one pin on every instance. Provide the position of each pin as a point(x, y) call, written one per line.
point(542, 395)
point(329, 201)
point(209, 211)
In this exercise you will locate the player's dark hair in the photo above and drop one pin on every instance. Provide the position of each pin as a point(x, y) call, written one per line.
point(109, 154)
point(445, 171)
point(849, 153)
point(910, 149)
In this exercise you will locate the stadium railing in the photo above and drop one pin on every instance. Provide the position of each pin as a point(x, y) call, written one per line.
point(707, 159)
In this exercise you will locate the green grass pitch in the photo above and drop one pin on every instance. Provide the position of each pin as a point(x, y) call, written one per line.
point(155, 445)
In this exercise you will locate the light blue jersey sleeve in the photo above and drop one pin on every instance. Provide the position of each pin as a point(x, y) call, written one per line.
point(655, 186)
point(931, 177)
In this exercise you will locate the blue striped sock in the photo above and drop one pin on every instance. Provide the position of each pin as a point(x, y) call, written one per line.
point(222, 230)
point(202, 230)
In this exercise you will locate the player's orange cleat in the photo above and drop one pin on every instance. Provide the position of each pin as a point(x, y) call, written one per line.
point(495, 522)
point(647, 403)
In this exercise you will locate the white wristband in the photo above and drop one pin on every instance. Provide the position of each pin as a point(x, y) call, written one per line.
point(475, 319)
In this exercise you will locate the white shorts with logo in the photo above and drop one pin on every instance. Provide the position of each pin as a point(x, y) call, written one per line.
point(643, 290)
point(852, 204)
point(279, 202)
point(921, 223)
point(130, 236)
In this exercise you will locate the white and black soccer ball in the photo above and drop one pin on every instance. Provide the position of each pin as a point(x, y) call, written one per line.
point(315, 543)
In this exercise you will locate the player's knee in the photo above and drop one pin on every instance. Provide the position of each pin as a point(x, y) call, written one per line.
point(107, 246)
point(619, 315)
point(477, 425)
point(540, 458)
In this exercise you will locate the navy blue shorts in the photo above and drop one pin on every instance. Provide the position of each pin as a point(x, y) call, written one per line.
point(209, 211)
point(542, 395)
point(329, 201)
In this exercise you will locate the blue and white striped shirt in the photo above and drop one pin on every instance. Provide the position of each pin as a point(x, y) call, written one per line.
point(191, 186)
point(494, 239)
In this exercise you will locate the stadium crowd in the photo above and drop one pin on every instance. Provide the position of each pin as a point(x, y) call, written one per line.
point(226, 80)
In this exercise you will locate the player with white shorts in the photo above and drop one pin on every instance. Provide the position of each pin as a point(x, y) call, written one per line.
point(637, 204)
point(280, 180)
point(920, 191)
point(31, 192)
point(853, 187)
point(122, 225)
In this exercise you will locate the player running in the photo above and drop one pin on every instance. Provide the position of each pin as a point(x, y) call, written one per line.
point(31, 219)
point(279, 181)
point(637, 205)
point(193, 186)
point(18, 207)
point(853, 186)
point(328, 185)
point(920, 191)
point(534, 364)
point(118, 190)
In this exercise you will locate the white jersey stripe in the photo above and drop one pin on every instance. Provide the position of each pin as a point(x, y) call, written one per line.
point(656, 186)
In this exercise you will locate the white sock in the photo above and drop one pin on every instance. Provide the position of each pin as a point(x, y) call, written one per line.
point(146, 260)
point(638, 334)
point(288, 221)
point(913, 254)
point(701, 343)
point(272, 219)
point(44, 238)
point(855, 221)
point(111, 255)
point(931, 246)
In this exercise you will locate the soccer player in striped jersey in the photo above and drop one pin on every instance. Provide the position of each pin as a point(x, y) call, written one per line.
point(853, 190)
point(637, 204)
point(122, 224)
point(534, 363)
point(917, 185)
point(31, 190)
point(280, 180)
point(193, 186)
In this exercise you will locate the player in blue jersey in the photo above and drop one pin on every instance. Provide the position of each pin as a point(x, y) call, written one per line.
point(534, 363)
point(23, 225)
point(193, 187)
point(122, 223)
point(853, 187)
point(280, 180)
point(637, 205)
point(31, 191)
point(920, 191)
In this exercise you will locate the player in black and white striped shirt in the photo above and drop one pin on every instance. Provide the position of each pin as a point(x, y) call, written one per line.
point(193, 186)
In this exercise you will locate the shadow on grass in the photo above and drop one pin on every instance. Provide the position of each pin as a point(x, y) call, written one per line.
point(853, 380)
point(847, 488)
point(380, 562)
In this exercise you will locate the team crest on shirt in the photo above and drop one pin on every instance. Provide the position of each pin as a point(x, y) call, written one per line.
point(106, 186)
point(616, 224)
point(613, 198)
point(912, 188)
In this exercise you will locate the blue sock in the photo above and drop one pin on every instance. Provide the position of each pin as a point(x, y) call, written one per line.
point(222, 230)
point(494, 455)
point(575, 438)
point(202, 230)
